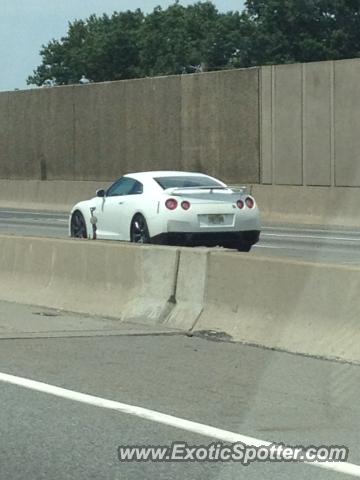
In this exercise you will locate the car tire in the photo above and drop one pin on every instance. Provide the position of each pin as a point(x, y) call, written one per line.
point(244, 248)
point(139, 232)
point(240, 247)
point(78, 225)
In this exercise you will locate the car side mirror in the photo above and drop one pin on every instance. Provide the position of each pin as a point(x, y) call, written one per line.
point(100, 193)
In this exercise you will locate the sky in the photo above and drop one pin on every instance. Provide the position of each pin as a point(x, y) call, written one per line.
point(25, 25)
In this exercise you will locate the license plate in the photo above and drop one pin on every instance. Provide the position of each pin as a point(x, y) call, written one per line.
point(216, 219)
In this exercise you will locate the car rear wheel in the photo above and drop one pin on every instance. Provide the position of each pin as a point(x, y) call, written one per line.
point(78, 225)
point(244, 247)
point(239, 246)
point(139, 232)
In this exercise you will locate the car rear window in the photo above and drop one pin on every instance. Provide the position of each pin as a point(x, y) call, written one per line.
point(186, 182)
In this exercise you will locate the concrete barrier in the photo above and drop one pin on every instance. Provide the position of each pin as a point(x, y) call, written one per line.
point(295, 306)
point(146, 284)
point(122, 281)
point(190, 288)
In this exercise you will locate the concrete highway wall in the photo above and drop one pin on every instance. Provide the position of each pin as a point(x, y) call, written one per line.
point(288, 305)
point(205, 122)
point(58, 196)
point(282, 125)
point(310, 124)
point(290, 130)
point(336, 206)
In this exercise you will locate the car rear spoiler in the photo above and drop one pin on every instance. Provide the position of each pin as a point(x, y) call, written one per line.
point(181, 190)
point(240, 188)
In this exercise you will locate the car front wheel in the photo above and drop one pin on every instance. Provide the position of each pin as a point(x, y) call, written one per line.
point(78, 225)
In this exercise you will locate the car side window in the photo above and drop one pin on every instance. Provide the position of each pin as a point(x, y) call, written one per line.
point(125, 186)
point(137, 188)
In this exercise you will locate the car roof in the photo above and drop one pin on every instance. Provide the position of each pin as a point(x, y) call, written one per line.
point(141, 176)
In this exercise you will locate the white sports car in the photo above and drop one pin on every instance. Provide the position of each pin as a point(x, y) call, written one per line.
point(175, 208)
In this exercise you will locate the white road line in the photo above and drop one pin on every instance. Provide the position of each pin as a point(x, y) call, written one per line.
point(169, 420)
point(316, 237)
point(266, 246)
point(304, 228)
point(32, 212)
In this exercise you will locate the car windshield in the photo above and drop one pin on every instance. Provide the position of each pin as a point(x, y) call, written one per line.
point(186, 181)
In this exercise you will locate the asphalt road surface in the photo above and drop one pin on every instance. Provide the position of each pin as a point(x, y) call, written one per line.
point(268, 395)
point(295, 241)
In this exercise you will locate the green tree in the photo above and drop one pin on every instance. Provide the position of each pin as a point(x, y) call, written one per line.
point(130, 44)
point(101, 48)
point(284, 31)
point(177, 39)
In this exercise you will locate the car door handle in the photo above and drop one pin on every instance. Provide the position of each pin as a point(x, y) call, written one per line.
point(121, 203)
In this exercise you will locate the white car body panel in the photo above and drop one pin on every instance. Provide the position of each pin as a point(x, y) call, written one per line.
point(114, 214)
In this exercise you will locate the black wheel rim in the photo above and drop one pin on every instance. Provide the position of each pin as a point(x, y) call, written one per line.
point(78, 227)
point(139, 231)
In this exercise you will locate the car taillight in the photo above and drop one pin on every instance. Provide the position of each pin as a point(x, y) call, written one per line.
point(185, 205)
point(250, 202)
point(240, 204)
point(171, 203)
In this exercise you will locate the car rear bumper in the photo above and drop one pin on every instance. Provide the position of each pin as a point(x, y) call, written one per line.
point(237, 223)
point(239, 240)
